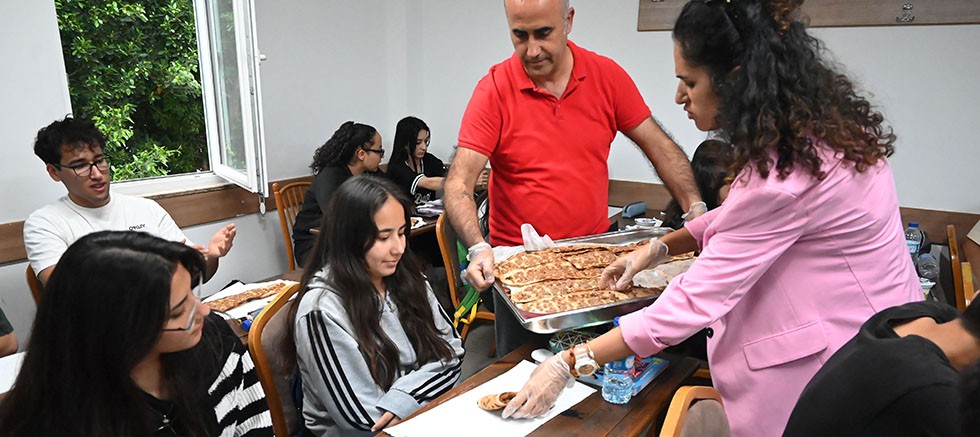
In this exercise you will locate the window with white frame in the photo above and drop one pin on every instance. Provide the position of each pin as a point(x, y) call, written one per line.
point(173, 84)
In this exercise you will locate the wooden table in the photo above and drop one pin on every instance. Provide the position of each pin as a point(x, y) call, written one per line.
point(593, 416)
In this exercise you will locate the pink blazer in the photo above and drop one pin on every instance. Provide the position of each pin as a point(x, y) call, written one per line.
point(789, 270)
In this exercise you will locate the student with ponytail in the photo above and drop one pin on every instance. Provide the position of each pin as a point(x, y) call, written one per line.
point(353, 149)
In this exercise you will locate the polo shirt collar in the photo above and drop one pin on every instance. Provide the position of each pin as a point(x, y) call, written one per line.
point(578, 70)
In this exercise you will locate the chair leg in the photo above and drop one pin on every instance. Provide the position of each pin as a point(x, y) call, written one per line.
point(466, 330)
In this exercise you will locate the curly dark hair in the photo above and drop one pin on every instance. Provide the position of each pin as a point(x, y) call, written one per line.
point(342, 145)
point(777, 93)
point(75, 131)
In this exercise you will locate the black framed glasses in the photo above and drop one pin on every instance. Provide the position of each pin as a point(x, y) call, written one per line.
point(84, 169)
point(380, 152)
point(191, 315)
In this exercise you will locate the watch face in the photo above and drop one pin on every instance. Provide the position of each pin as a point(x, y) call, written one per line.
point(586, 369)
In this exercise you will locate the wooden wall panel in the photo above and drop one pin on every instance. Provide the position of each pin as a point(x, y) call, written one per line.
point(932, 221)
point(187, 209)
point(660, 15)
point(208, 206)
point(12, 242)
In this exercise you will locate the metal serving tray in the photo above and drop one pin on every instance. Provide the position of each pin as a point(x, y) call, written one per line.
point(584, 317)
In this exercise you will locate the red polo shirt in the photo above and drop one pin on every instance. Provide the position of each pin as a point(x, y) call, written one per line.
point(548, 154)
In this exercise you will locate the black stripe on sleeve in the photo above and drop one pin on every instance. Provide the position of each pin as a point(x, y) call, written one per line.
point(439, 381)
point(328, 365)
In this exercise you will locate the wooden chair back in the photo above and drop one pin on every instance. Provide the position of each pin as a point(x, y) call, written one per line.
point(447, 238)
point(265, 342)
point(34, 284)
point(696, 411)
point(968, 290)
point(289, 199)
point(959, 292)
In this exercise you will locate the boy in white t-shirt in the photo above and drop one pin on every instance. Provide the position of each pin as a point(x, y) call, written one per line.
point(72, 150)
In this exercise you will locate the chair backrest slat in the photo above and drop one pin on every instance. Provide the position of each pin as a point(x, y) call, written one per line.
point(265, 343)
point(289, 200)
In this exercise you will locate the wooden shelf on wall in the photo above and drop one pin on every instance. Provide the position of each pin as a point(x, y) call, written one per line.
point(660, 15)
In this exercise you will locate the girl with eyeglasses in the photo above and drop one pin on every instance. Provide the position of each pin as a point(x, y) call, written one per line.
point(372, 344)
point(412, 167)
point(353, 149)
point(806, 247)
point(122, 346)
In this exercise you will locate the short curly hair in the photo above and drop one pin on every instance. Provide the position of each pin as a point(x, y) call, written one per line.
point(70, 130)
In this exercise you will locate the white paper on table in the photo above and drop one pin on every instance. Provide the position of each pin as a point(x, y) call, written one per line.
point(247, 307)
point(9, 368)
point(462, 413)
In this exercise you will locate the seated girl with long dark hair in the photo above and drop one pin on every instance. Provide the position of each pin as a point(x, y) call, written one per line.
point(412, 167)
point(121, 346)
point(372, 343)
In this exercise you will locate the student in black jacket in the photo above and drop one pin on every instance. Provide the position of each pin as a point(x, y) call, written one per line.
point(353, 149)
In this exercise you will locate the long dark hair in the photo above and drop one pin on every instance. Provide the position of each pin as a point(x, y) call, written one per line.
point(342, 145)
point(340, 250)
point(777, 93)
point(406, 136)
point(102, 312)
point(710, 164)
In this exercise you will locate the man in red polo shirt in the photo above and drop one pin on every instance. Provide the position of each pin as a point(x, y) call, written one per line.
point(545, 119)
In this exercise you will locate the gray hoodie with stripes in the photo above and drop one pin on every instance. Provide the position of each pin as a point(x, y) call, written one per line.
point(339, 395)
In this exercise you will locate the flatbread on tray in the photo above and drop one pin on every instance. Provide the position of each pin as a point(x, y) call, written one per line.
point(567, 278)
point(550, 288)
point(226, 303)
point(573, 301)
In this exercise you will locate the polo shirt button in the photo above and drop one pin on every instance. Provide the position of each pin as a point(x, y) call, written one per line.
point(710, 332)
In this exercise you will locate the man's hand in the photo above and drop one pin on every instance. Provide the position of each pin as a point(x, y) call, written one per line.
point(479, 273)
point(221, 242)
point(619, 274)
point(387, 419)
point(541, 390)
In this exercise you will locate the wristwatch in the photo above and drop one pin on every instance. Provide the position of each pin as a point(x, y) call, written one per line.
point(585, 364)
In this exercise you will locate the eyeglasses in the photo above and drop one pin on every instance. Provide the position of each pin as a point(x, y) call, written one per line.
point(192, 314)
point(84, 169)
point(380, 152)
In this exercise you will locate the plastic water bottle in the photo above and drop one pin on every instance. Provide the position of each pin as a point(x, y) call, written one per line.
point(617, 379)
point(913, 238)
point(928, 266)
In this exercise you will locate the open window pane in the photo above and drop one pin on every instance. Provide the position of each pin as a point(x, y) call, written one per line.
point(226, 32)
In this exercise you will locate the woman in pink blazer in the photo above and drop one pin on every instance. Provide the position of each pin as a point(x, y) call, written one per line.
point(809, 243)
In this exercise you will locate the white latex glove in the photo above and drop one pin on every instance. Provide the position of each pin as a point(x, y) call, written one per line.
point(479, 272)
point(541, 390)
point(619, 274)
point(696, 209)
point(533, 241)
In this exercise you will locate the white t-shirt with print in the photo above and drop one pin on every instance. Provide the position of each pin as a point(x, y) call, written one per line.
point(51, 229)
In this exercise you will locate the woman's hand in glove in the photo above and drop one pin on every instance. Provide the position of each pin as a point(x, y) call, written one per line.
point(619, 274)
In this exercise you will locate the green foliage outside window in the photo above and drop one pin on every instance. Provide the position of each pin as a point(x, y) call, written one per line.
point(133, 68)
